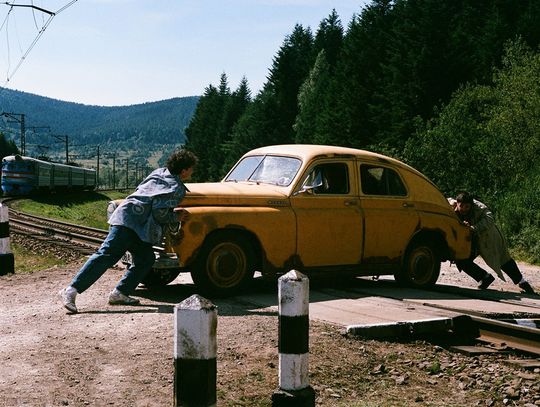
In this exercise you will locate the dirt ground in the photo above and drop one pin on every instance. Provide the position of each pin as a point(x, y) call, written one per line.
point(123, 356)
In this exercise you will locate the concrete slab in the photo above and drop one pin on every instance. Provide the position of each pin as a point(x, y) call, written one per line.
point(458, 301)
point(365, 302)
point(330, 306)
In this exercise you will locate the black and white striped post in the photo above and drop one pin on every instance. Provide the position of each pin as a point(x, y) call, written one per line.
point(7, 261)
point(293, 342)
point(195, 350)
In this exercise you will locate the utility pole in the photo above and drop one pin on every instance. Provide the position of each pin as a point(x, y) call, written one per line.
point(127, 173)
point(97, 171)
point(65, 140)
point(33, 129)
point(114, 171)
point(18, 118)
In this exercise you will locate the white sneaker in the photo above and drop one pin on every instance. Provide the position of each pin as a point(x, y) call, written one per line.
point(117, 298)
point(67, 295)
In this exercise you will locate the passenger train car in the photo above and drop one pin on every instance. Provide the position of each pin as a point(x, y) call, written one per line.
point(24, 175)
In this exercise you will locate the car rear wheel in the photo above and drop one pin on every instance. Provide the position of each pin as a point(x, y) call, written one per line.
point(421, 267)
point(225, 264)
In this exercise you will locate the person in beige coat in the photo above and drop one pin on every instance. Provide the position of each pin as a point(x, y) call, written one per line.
point(488, 242)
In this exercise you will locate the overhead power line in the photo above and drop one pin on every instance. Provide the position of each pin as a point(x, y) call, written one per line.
point(45, 25)
point(29, 6)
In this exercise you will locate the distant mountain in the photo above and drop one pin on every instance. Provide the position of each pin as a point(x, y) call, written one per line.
point(135, 127)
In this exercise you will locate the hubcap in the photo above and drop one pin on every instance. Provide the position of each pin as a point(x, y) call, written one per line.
point(226, 264)
point(421, 269)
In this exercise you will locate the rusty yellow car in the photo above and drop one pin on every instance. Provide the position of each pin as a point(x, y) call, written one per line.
point(315, 209)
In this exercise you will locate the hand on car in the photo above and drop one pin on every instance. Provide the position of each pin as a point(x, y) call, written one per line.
point(183, 214)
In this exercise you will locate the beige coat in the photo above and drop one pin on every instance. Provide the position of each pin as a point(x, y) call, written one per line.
point(491, 243)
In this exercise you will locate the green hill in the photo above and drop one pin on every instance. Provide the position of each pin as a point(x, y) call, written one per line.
point(136, 129)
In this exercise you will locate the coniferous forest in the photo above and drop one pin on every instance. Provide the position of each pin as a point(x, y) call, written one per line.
point(450, 87)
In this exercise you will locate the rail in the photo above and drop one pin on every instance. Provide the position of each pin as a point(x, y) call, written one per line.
point(83, 238)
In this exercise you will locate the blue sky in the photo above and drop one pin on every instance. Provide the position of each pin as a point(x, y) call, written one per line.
point(122, 52)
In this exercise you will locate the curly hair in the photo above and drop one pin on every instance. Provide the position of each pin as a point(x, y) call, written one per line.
point(181, 159)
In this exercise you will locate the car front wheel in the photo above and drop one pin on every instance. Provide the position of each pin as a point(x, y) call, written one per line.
point(159, 277)
point(421, 267)
point(225, 264)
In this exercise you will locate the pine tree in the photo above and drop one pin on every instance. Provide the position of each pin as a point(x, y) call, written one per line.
point(7, 147)
point(206, 131)
point(315, 122)
point(289, 70)
point(235, 108)
point(313, 105)
point(358, 74)
point(270, 117)
point(329, 37)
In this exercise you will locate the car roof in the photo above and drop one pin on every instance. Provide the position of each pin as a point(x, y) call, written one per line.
point(309, 151)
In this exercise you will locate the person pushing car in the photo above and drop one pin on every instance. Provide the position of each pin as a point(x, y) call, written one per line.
point(136, 225)
point(488, 242)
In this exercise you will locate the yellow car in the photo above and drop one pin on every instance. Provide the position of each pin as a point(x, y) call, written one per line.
point(317, 209)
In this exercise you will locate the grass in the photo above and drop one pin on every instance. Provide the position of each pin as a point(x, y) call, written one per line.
point(26, 261)
point(83, 208)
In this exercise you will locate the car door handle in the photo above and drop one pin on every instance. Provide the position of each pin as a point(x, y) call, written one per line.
point(351, 202)
point(408, 205)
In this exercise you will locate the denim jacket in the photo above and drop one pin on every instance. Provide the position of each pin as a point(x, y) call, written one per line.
point(151, 206)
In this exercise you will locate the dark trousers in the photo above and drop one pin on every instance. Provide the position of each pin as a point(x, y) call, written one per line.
point(119, 240)
point(478, 273)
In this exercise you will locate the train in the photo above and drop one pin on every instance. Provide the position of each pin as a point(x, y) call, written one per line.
point(25, 176)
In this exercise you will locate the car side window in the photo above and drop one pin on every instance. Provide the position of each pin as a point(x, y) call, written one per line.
point(377, 180)
point(326, 179)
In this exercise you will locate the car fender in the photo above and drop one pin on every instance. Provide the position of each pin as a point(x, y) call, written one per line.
point(274, 229)
point(444, 223)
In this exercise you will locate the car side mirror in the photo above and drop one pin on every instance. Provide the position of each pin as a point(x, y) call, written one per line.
point(308, 189)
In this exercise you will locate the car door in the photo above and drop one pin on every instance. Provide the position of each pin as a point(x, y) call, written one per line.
point(328, 218)
point(390, 217)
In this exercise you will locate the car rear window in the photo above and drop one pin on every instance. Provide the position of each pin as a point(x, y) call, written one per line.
point(378, 180)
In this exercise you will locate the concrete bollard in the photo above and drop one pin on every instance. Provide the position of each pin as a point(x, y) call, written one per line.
point(7, 261)
point(293, 342)
point(195, 351)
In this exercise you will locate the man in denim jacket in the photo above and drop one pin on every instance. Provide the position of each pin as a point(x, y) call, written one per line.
point(137, 225)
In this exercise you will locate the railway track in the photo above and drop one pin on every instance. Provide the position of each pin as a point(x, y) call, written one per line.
point(70, 236)
point(499, 331)
point(504, 334)
point(521, 332)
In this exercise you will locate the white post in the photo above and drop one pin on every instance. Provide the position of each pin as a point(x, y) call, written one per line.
point(293, 342)
point(7, 262)
point(195, 352)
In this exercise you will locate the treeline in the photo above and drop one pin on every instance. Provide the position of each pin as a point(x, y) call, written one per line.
point(487, 140)
point(448, 86)
point(118, 127)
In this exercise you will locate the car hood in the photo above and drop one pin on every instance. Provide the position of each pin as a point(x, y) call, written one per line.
point(234, 193)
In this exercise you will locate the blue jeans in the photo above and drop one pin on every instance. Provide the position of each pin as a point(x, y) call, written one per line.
point(119, 240)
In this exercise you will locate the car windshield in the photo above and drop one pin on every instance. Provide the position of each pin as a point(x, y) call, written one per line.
point(266, 169)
